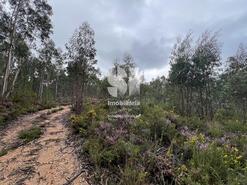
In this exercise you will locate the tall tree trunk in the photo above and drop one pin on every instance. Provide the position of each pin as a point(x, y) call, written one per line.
point(211, 113)
point(10, 52)
point(78, 101)
point(201, 103)
point(7, 72)
point(41, 87)
point(13, 83)
point(56, 88)
point(182, 100)
point(244, 110)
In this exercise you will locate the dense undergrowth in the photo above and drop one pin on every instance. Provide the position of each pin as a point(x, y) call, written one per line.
point(21, 104)
point(160, 147)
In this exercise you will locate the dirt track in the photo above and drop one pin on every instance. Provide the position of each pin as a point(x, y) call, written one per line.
point(48, 160)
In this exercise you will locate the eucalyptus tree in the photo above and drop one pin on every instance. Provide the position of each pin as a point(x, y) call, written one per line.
point(157, 89)
point(205, 60)
point(25, 19)
point(180, 75)
point(22, 52)
point(236, 77)
point(59, 68)
point(193, 73)
point(46, 57)
point(81, 54)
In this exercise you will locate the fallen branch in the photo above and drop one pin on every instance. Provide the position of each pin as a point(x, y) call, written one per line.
point(74, 178)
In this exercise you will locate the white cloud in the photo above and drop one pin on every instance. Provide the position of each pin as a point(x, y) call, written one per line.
point(150, 74)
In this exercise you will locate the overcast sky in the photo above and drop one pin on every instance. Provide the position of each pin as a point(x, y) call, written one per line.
point(147, 29)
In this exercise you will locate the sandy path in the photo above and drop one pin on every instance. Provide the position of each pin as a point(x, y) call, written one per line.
point(48, 160)
point(8, 136)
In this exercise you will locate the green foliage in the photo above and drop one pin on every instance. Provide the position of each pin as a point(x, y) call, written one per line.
point(133, 176)
point(209, 163)
point(79, 124)
point(30, 134)
point(224, 114)
point(235, 126)
point(94, 147)
point(81, 66)
point(215, 129)
point(241, 143)
point(110, 156)
point(150, 149)
point(25, 97)
point(97, 111)
point(193, 122)
point(2, 121)
point(215, 165)
point(87, 120)
point(155, 123)
point(20, 103)
point(121, 145)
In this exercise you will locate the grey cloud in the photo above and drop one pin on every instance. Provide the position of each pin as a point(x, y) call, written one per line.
point(146, 28)
point(152, 54)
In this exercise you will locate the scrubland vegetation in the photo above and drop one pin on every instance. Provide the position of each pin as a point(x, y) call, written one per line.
point(191, 126)
point(161, 147)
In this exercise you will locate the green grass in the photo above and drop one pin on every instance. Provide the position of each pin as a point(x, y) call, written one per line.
point(235, 126)
point(215, 129)
point(30, 134)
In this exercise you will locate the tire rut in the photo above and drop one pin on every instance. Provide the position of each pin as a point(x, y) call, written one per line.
point(48, 160)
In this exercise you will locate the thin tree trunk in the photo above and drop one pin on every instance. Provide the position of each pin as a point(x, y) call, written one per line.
point(78, 103)
point(182, 100)
point(13, 83)
point(201, 104)
point(244, 110)
point(41, 87)
point(6, 75)
point(56, 90)
point(211, 113)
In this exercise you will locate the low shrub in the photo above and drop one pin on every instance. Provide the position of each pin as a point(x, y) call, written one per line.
point(214, 165)
point(155, 122)
point(195, 123)
point(235, 126)
point(215, 129)
point(151, 149)
point(131, 175)
point(224, 114)
point(94, 147)
point(30, 134)
point(241, 143)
